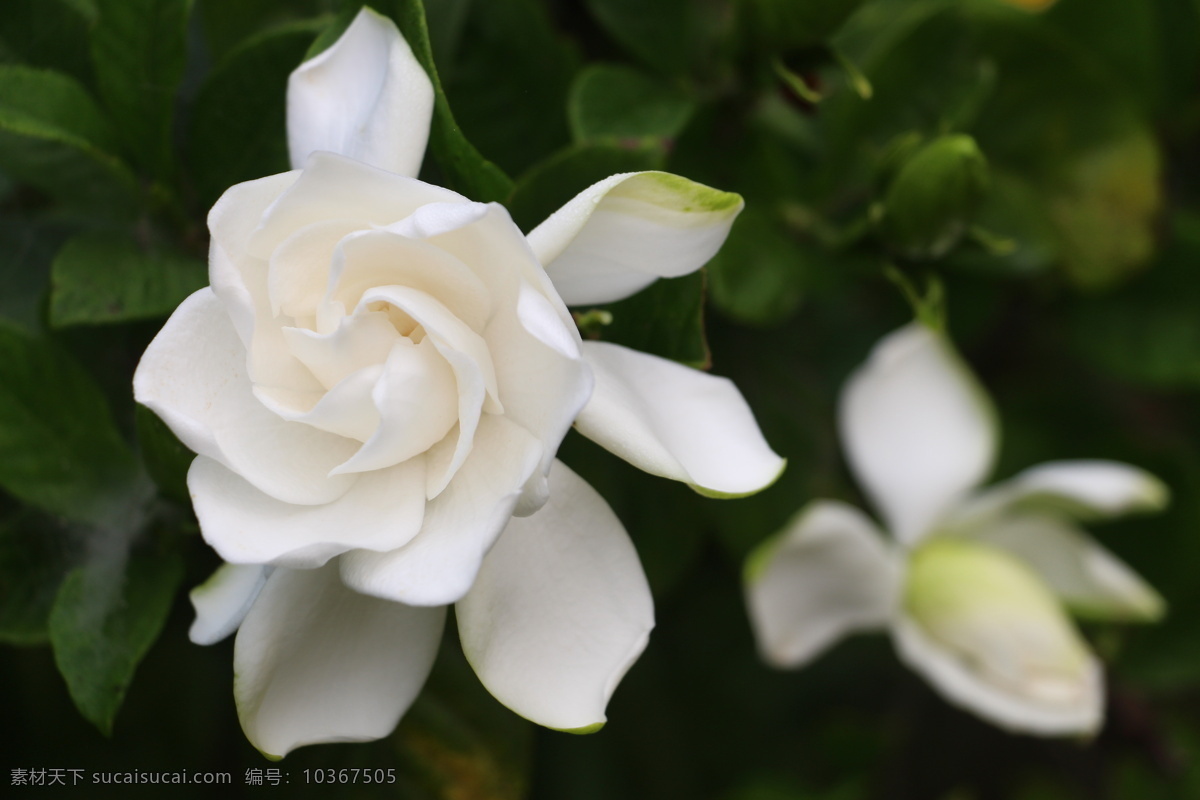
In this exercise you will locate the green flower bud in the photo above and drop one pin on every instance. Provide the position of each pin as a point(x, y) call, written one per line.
point(993, 613)
point(933, 197)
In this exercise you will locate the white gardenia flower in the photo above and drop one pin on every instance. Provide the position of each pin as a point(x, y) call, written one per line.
point(975, 585)
point(377, 381)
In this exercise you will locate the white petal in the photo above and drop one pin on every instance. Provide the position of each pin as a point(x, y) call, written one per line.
point(193, 375)
point(1089, 579)
point(623, 233)
point(382, 511)
point(347, 409)
point(315, 662)
point(461, 523)
point(960, 685)
point(418, 405)
point(677, 422)
point(917, 429)
point(993, 639)
point(361, 340)
point(365, 97)
point(1084, 489)
point(376, 258)
point(826, 575)
point(560, 609)
point(223, 601)
point(334, 187)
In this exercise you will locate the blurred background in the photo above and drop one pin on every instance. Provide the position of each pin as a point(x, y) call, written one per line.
point(1037, 159)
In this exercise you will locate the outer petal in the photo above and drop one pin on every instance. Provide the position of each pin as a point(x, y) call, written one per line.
point(1083, 489)
point(674, 421)
point(954, 679)
point(223, 601)
point(193, 375)
point(620, 235)
point(917, 429)
point(439, 565)
point(1089, 579)
point(365, 97)
point(993, 639)
point(827, 574)
point(382, 511)
point(315, 662)
point(560, 609)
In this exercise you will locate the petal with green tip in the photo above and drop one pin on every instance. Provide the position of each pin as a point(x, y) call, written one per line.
point(827, 574)
point(559, 611)
point(1084, 489)
point(1088, 578)
point(989, 635)
point(917, 429)
point(621, 234)
point(316, 662)
point(365, 97)
point(676, 422)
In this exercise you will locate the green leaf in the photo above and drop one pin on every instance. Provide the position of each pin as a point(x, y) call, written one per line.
point(466, 171)
point(665, 319)
point(509, 82)
point(166, 458)
point(610, 101)
point(27, 246)
point(229, 23)
point(47, 33)
point(758, 277)
point(781, 25)
point(239, 128)
point(672, 36)
point(551, 183)
point(35, 554)
point(106, 278)
point(53, 136)
point(138, 50)
point(105, 618)
point(59, 449)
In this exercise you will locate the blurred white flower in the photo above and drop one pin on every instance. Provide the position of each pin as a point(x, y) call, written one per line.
point(976, 585)
point(378, 379)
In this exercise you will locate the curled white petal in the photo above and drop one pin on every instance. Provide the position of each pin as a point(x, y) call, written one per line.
point(316, 662)
point(382, 511)
point(365, 97)
point(620, 235)
point(827, 574)
point(222, 601)
point(559, 611)
point(461, 524)
point(1088, 578)
point(992, 638)
point(674, 421)
point(917, 429)
point(1084, 489)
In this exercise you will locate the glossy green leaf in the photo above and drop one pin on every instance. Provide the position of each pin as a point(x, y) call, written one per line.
point(47, 33)
point(758, 277)
point(53, 136)
point(550, 184)
point(227, 24)
point(512, 67)
point(665, 319)
point(611, 101)
point(138, 50)
point(672, 36)
point(27, 246)
point(105, 617)
point(105, 278)
point(779, 25)
point(59, 449)
point(465, 169)
point(239, 130)
point(35, 554)
point(166, 458)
